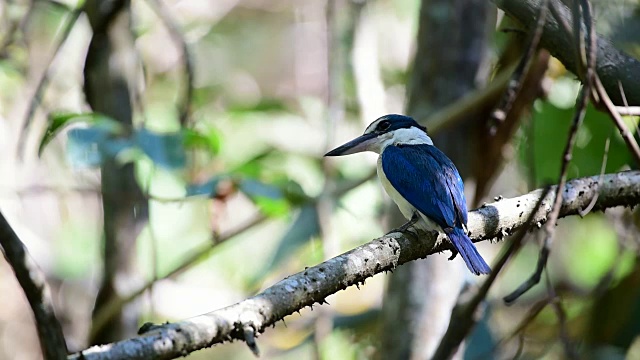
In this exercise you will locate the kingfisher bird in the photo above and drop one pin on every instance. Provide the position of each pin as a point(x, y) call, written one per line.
point(420, 179)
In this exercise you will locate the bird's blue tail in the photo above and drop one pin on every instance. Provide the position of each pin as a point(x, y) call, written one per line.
point(468, 251)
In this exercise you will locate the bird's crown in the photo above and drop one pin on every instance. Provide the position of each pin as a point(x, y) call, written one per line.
point(392, 122)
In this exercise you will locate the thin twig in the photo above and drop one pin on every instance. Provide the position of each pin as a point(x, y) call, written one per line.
point(459, 110)
point(579, 42)
point(556, 303)
point(617, 119)
point(176, 35)
point(560, 19)
point(336, 54)
point(626, 109)
point(605, 156)
point(499, 114)
point(346, 186)
point(518, 331)
point(520, 348)
point(533, 312)
point(553, 216)
point(586, 53)
point(153, 253)
point(531, 153)
point(36, 98)
point(194, 257)
point(33, 283)
point(10, 34)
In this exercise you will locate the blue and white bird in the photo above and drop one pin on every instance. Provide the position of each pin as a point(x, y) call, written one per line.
point(420, 179)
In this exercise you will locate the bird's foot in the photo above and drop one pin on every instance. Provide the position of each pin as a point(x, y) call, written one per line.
point(405, 228)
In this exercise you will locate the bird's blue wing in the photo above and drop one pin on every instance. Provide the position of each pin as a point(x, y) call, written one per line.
point(428, 180)
point(454, 182)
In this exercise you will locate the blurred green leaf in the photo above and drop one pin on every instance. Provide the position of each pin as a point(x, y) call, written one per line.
point(338, 345)
point(305, 227)
point(254, 188)
point(395, 76)
point(264, 105)
point(615, 313)
point(594, 249)
point(103, 140)
point(76, 237)
point(550, 130)
point(481, 341)
point(293, 192)
point(209, 141)
point(165, 150)
point(208, 188)
point(269, 198)
point(620, 23)
point(272, 207)
point(57, 122)
point(90, 147)
point(252, 167)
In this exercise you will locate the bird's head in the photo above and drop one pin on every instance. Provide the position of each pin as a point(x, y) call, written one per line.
point(385, 131)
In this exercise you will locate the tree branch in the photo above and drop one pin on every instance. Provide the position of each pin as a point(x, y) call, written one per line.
point(313, 285)
point(194, 257)
point(164, 13)
point(32, 281)
point(614, 67)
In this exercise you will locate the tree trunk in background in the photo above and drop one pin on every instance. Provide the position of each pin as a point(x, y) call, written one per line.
point(449, 62)
point(110, 63)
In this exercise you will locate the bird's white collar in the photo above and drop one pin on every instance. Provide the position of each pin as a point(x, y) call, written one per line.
point(410, 136)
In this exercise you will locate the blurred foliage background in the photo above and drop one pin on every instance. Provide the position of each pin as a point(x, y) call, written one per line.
point(239, 196)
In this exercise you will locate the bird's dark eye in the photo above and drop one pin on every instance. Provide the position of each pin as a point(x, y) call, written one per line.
point(383, 125)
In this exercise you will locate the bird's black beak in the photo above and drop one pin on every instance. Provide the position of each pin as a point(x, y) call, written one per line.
point(359, 144)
